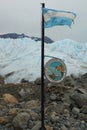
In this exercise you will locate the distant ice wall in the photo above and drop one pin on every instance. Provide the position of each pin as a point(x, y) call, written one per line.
point(21, 58)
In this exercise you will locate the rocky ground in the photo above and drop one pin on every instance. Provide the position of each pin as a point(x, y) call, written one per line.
point(65, 105)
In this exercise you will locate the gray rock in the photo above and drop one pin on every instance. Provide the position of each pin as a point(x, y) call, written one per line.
point(21, 120)
point(84, 77)
point(82, 117)
point(25, 93)
point(54, 107)
point(54, 117)
point(63, 128)
point(34, 116)
point(37, 126)
point(67, 124)
point(22, 93)
point(75, 111)
point(81, 90)
point(66, 113)
point(53, 97)
point(84, 80)
point(38, 81)
point(79, 98)
point(32, 104)
point(84, 109)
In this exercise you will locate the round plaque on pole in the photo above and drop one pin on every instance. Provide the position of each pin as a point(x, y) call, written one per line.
point(55, 70)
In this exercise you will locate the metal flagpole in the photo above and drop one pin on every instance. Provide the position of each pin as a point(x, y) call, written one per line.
point(42, 72)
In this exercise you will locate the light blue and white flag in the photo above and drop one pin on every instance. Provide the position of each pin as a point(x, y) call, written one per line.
point(57, 17)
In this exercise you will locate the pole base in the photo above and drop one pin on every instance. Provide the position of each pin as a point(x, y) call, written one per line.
point(42, 128)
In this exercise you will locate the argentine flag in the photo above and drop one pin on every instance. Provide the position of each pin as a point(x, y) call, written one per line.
point(57, 17)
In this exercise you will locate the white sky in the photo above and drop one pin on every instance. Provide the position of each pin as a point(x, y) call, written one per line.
point(24, 16)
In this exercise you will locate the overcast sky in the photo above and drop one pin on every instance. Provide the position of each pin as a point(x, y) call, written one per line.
point(24, 16)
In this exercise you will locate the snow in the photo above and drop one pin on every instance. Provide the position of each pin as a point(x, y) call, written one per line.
point(21, 58)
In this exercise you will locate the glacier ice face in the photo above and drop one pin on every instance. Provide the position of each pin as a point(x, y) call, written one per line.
point(21, 58)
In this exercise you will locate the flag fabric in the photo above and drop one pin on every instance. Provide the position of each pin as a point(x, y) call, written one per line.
point(57, 17)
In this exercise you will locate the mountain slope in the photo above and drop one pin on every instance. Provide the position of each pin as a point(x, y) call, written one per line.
point(16, 36)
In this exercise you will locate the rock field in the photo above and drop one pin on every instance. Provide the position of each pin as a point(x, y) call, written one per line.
point(65, 104)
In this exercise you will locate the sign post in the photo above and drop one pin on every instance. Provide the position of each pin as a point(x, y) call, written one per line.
point(42, 73)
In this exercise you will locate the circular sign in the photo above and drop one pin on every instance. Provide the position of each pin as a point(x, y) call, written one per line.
point(55, 70)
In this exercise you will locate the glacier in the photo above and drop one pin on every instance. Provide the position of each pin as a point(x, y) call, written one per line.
point(21, 58)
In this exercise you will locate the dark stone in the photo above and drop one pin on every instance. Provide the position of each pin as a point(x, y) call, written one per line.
point(82, 117)
point(84, 109)
point(79, 98)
